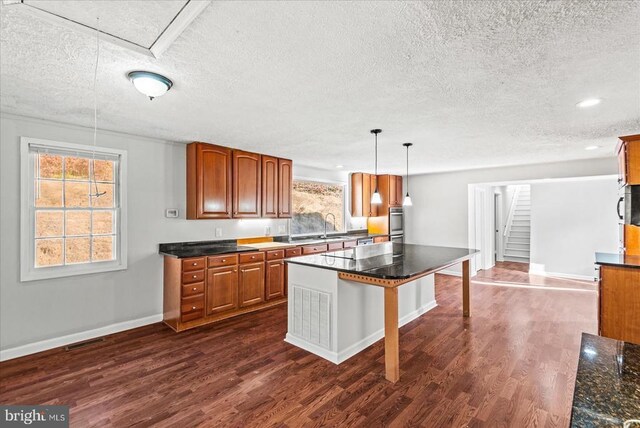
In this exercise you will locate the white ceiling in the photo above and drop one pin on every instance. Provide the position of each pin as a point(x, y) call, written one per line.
point(471, 84)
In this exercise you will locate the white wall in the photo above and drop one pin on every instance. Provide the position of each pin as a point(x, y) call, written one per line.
point(39, 310)
point(570, 221)
point(440, 212)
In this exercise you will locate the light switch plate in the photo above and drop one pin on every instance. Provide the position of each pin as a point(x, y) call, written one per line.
point(218, 232)
point(267, 230)
point(171, 213)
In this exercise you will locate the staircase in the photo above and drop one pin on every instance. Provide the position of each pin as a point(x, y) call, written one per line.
point(517, 232)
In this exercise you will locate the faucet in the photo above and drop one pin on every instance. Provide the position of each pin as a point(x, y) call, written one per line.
point(325, 224)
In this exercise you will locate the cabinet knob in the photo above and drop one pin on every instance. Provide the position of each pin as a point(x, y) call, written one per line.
point(193, 307)
point(194, 288)
point(195, 276)
point(253, 257)
point(235, 270)
point(195, 264)
point(224, 260)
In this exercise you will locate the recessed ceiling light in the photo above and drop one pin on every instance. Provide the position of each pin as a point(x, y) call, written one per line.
point(592, 147)
point(151, 84)
point(589, 102)
point(339, 166)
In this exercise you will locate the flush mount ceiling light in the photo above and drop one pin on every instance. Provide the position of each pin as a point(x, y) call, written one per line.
point(339, 166)
point(151, 84)
point(376, 199)
point(407, 199)
point(589, 102)
point(592, 148)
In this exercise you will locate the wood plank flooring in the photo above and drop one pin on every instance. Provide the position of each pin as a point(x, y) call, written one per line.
point(512, 364)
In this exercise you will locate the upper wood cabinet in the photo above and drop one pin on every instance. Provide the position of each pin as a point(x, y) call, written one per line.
point(247, 190)
point(227, 183)
point(208, 181)
point(269, 186)
point(628, 151)
point(285, 188)
point(362, 187)
point(390, 188)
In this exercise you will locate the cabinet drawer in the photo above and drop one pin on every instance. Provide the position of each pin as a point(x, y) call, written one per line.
point(379, 239)
point(195, 276)
point(224, 260)
point(349, 244)
point(192, 264)
point(334, 246)
point(252, 257)
point(313, 249)
point(293, 252)
point(192, 316)
point(275, 254)
point(190, 304)
point(192, 289)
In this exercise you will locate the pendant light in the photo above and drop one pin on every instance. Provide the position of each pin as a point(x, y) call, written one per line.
point(407, 199)
point(376, 199)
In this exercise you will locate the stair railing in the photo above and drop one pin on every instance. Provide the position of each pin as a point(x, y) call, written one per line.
point(512, 210)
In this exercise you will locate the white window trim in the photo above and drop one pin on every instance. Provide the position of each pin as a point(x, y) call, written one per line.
point(345, 201)
point(27, 222)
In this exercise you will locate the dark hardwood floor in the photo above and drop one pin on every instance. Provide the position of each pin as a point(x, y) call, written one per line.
point(511, 364)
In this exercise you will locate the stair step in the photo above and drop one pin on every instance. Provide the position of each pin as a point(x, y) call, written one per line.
point(520, 234)
point(517, 246)
point(518, 240)
point(516, 259)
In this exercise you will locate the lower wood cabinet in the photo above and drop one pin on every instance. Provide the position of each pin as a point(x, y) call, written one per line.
point(619, 298)
point(222, 290)
point(274, 285)
point(251, 283)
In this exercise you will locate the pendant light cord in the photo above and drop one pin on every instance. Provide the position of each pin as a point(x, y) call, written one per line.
point(97, 193)
point(376, 158)
point(407, 170)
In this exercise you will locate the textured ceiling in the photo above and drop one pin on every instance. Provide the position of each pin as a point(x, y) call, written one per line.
point(140, 22)
point(471, 84)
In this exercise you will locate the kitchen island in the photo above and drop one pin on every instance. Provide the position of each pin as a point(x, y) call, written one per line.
point(339, 305)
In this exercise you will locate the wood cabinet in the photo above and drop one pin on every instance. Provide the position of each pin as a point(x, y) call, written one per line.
point(274, 279)
point(628, 151)
point(390, 188)
point(285, 188)
point(227, 183)
point(251, 283)
point(379, 239)
point(314, 249)
point(269, 186)
point(209, 186)
point(222, 289)
point(619, 315)
point(247, 190)
point(362, 187)
point(631, 239)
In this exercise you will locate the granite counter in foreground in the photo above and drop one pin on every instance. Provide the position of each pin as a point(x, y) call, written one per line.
point(607, 391)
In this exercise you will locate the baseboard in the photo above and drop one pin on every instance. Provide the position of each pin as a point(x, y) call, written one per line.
point(449, 272)
point(535, 270)
point(340, 357)
point(56, 342)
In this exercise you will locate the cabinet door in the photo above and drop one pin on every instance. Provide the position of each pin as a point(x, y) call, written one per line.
point(269, 186)
point(373, 208)
point(251, 284)
point(208, 181)
point(393, 191)
point(622, 164)
point(285, 188)
point(247, 191)
point(361, 192)
point(275, 279)
point(399, 192)
point(222, 289)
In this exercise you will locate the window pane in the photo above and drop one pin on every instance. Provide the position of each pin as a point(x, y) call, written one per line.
point(77, 250)
point(78, 222)
point(49, 223)
point(103, 170)
point(50, 166)
point(48, 252)
point(76, 194)
point(102, 201)
point(102, 248)
point(312, 202)
point(48, 193)
point(76, 168)
point(103, 222)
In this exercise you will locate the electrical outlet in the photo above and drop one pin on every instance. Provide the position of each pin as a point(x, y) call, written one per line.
point(267, 230)
point(218, 232)
point(171, 213)
point(282, 229)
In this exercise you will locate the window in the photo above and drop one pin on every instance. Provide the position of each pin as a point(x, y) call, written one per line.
point(312, 201)
point(73, 216)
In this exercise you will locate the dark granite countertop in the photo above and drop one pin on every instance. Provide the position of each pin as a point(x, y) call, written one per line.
point(607, 391)
point(183, 250)
point(407, 261)
point(618, 259)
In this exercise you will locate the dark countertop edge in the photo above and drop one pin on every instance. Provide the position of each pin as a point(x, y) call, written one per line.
point(378, 276)
point(356, 235)
point(618, 263)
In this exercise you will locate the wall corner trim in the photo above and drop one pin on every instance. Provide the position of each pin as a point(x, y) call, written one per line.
point(56, 342)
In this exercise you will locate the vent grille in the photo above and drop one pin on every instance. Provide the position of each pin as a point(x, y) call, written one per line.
point(312, 316)
point(83, 344)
